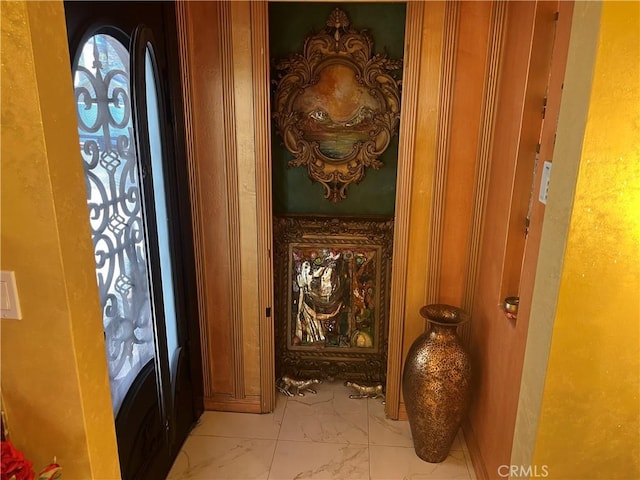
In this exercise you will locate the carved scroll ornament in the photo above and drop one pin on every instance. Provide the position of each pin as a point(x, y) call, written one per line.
point(336, 105)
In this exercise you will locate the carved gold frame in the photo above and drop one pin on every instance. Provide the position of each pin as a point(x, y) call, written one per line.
point(295, 233)
point(337, 105)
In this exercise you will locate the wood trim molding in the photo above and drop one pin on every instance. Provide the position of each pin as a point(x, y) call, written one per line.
point(228, 403)
point(182, 20)
point(413, 34)
point(262, 122)
point(481, 183)
point(483, 161)
point(402, 412)
point(449, 53)
point(538, 335)
point(522, 198)
point(474, 451)
point(233, 196)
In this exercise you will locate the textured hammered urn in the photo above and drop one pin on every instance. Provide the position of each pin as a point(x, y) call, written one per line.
point(436, 383)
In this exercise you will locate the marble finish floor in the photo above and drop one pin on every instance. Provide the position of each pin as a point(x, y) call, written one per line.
point(322, 436)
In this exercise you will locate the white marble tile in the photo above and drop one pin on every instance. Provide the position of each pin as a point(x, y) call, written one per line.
point(311, 460)
point(384, 431)
point(402, 463)
point(322, 436)
point(330, 416)
point(223, 458)
point(243, 425)
point(335, 385)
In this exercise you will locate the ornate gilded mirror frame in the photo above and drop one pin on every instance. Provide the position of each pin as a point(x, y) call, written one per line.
point(337, 105)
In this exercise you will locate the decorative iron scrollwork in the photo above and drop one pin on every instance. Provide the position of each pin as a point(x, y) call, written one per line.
point(112, 177)
point(337, 105)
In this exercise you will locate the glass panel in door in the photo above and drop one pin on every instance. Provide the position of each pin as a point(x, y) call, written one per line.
point(160, 200)
point(114, 197)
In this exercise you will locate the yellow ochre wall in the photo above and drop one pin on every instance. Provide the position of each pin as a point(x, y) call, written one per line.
point(589, 425)
point(55, 386)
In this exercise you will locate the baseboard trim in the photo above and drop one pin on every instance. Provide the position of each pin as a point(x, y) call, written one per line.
point(474, 451)
point(227, 403)
point(402, 412)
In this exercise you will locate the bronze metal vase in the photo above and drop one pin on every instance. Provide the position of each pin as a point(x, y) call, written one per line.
point(436, 383)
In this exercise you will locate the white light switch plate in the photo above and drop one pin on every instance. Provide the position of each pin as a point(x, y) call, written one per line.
point(544, 182)
point(9, 301)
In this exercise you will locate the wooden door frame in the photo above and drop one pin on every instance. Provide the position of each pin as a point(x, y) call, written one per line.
point(404, 182)
point(521, 128)
point(262, 119)
point(259, 26)
point(212, 139)
point(260, 56)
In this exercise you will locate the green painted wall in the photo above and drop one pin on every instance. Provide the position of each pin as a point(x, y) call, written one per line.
point(293, 191)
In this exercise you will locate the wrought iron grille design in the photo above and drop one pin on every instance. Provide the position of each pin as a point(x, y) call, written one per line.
point(102, 92)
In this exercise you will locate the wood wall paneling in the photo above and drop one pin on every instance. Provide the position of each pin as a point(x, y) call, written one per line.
point(536, 81)
point(482, 167)
point(182, 23)
point(455, 40)
point(496, 343)
point(483, 161)
point(244, 136)
point(441, 167)
point(204, 86)
point(230, 339)
point(547, 143)
point(399, 279)
point(231, 174)
point(468, 101)
point(491, 334)
point(262, 121)
point(425, 149)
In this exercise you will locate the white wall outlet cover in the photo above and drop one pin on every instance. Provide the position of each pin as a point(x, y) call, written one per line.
point(9, 301)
